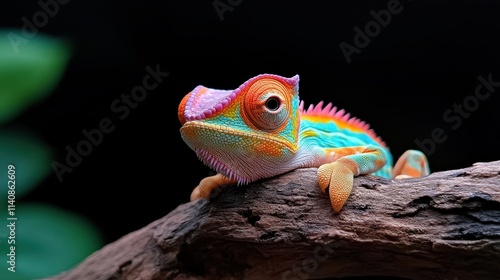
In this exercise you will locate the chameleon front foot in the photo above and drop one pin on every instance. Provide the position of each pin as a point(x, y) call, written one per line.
point(209, 184)
point(338, 178)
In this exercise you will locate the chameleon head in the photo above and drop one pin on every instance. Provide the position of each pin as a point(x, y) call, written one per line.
point(247, 133)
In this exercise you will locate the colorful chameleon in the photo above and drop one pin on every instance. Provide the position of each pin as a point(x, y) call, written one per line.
point(262, 129)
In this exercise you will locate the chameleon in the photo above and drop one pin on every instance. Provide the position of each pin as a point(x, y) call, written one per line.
point(263, 129)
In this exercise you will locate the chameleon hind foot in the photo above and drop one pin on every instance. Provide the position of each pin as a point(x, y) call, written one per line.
point(209, 184)
point(411, 164)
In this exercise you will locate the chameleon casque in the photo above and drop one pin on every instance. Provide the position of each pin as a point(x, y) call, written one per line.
point(262, 129)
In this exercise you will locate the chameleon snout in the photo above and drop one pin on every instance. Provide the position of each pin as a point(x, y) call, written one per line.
point(202, 103)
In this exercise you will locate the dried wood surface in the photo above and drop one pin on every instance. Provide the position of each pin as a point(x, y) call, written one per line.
point(443, 226)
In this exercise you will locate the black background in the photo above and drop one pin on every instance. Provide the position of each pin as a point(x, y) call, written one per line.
point(425, 60)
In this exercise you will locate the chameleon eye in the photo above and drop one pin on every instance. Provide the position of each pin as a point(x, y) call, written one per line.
point(273, 103)
point(267, 105)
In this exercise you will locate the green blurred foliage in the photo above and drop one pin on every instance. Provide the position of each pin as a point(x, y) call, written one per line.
point(29, 71)
point(31, 157)
point(48, 240)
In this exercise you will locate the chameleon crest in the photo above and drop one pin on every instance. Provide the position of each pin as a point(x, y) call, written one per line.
point(262, 129)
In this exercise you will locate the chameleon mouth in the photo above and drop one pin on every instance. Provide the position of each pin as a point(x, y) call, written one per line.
point(194, 131)
point(235, 154)
point(203, 102)
point(219, 166)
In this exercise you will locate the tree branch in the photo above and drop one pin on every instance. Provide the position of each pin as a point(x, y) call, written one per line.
point(443, 226)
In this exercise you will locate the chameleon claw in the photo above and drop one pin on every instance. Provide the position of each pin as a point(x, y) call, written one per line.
point(196, 194)
point(324, 175)
point(208, 185)
point(400, 177)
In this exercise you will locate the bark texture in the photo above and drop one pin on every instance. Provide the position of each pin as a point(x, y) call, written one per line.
point(443, 226)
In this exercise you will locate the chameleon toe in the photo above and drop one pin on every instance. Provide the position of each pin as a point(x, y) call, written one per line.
point(340, 185)
point(324, 175)
point(209, 184)
point(195, 194)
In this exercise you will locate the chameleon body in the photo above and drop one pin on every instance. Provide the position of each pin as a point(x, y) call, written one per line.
point(262, 129)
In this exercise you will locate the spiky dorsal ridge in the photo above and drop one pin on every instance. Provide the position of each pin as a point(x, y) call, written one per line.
point(336, 114)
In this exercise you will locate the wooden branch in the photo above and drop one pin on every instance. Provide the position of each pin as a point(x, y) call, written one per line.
point(443, 226)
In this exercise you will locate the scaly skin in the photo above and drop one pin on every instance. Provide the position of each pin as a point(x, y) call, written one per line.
point(261, 129)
